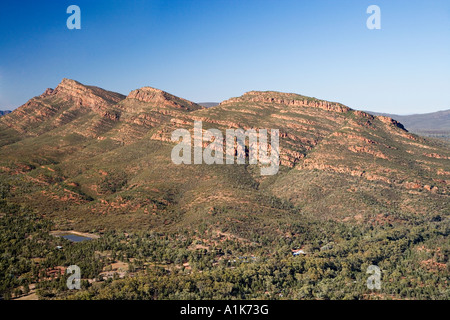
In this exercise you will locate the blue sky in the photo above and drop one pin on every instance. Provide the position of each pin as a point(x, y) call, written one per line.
point(213, 50)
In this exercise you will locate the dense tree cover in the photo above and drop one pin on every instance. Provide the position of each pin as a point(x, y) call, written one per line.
point(231, 269)
point(412, 253)
point(338, 273)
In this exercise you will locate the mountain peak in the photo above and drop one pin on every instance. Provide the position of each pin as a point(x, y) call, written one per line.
point(157, 96)
point(70, 85)
point(69, 81)
point(147, 94)
point(83, 94)
point(66, 85)
point(289, 99)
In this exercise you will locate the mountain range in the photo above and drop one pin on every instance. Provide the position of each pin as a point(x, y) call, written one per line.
point(93, 159)
point(434, 124)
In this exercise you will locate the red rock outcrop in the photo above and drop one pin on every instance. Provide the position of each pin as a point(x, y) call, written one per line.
point(95, 98)
point(391, 121)
point(152, 95)
point(288, 99)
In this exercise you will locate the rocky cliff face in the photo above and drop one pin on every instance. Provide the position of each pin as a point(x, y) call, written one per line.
point(86, 95)
point(288, 99)
point(156, 96)
point(391, 121)
point(97, 99)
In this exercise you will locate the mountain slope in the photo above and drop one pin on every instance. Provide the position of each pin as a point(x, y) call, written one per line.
point(92, 159)
point(345, 162)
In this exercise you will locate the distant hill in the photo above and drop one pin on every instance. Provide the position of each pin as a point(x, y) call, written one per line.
point(435, 124)
point(208, 104)
point(3, 112)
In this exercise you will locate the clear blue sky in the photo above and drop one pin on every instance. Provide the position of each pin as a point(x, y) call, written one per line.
point(212, 50)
